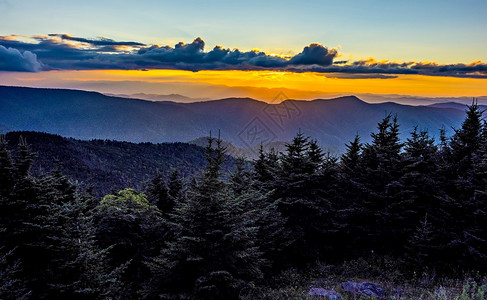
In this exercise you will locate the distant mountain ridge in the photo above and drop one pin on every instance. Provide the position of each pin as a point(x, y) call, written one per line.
point(244, 122)
point(455, 105)
point(158, 97)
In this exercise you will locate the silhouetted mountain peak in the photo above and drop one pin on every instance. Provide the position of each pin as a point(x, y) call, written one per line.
point(91, 115)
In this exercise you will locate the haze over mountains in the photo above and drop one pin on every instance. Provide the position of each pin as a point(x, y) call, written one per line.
point(157, 97)
point(369, 98)
point(244, 122)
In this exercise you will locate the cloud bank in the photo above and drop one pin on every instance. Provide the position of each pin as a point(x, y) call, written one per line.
point(12, 59)
point(66, 52)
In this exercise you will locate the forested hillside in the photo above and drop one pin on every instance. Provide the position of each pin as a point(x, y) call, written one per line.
point(111, 165)
point(398, 212)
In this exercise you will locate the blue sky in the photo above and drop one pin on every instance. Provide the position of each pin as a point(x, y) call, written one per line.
point(441, 31)
point(310, 48)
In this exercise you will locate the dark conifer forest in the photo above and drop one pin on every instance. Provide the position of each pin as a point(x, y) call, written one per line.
point(391, 210)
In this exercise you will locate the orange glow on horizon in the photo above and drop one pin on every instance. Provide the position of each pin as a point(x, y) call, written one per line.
point(262, 84)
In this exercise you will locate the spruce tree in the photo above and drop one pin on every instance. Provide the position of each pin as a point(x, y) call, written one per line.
point(11, 284)
point(381, 174)
point(303, 196)
point(175, 185)
point(464, 219)
point(214, 253)
point(272, 236)
point(420, 188)
point(133, 229)
point(421, 245)
point(158, 194)
point(240, 178)
point(350, 160)
point(351, 206)
point(79, 267)
point(265, 168)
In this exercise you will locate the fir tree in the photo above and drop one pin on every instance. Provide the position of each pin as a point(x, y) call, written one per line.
point(175, 185)
point(350, 160)
point(265, 168)
point(158, 194)
point(420, 245)
point(134, 231)
point(351, 207)
point(466, 141)
point(464, 219)
point(380, 177)
point(214, 251)
point(11, 283)
point(302, 195)
point(240, 178)
point(420, 189)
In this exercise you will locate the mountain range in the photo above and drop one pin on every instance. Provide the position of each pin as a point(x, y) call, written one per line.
point(243, 122)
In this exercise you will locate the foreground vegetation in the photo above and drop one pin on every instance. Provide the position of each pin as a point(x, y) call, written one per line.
point(410, 216)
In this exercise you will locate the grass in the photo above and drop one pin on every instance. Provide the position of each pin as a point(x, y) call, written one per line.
point(389, 273)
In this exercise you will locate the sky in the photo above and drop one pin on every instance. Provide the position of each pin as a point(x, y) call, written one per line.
point(214, 49)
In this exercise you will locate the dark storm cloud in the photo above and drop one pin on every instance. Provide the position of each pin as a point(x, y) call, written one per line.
point(13, 60)
point(66, 52)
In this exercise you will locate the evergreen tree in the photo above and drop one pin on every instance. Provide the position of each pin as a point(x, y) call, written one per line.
point(302, 194)
point(420, 188)
point(272, 236)
point(133, 230)
point(25, 158)
point(11, 284)
point(37, 215)
point(80, 268)
point(466, 142)
point(420, 245)
point(350, 160)
point(7, 171)
point(214, 251)
point(380, 176)
point(240, 178)
point(464, 218)
point(158, 194)
point(351, 208)
point(265, 168)
point(175, 185)
point(23, 211)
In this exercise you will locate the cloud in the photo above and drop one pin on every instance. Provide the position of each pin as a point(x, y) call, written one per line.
point(102, 41)
point(13, 60)
point(360, 76)
point(66, 52)
point(315, 54)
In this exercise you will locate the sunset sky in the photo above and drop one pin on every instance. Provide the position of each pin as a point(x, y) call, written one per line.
point(214, 49)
